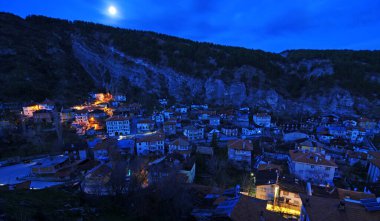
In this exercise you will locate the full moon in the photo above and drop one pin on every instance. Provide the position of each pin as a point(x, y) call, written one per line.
point(112, 10)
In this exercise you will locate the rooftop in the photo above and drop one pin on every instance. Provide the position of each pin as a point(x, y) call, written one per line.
point(311, 158)
point(327, 209)
point(117, 118)
point(240, 144)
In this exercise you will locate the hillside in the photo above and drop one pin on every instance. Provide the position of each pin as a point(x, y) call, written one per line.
point(42, 58)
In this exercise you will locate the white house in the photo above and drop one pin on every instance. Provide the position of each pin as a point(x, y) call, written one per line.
point(192, 133)
point(180, 146)
point(230, 131)
point(182, 110)
point(239, 152)
point(120, 98)
point(262, 119)
point(310, 166)
point(151, 143)
point(145, 125)
point(355, 134)
point(159, 118)
point(250, 131)
point(118, 125)
point(30, 108)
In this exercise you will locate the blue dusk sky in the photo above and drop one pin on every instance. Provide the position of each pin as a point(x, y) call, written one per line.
point(270, 25)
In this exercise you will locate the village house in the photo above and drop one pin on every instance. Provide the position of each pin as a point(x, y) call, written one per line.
point(212, 133)
point(168, 114)
point(103, 149)
point(97, 96)
point(151, 143)
point(119, 98)
point(172, 166)
point(170, 127)
point(30, 108)
point(242, 120)
point(230, 131)
point(262, 119)
point(266, 184)
point(163, 101)
point(355, 134)
point(199, 106)
point(240, 153)
point(97, 113)
point(118, 126)
point(180, 146)
point(214, 121)
point(310, 146)
point(193, 133)
point(159, 118)
point(350, 123)
point(97, 180)
point(53, 167)
point(77, 151)
point(310, 166)
point(81, 117)
point(354, 157)
point(42, 116)
point(231, 205)
point(337, 130)
point(47, 105)
point(373, 174)
point(145, 125)
point(250, 131)
point(330, 119)
point(181, 109)
point(367, 124)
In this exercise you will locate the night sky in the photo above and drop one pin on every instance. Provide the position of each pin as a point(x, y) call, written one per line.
point(271, 25)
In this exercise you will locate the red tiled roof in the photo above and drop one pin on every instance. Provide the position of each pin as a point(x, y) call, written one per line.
point(151, 138)
point(180, 142)
point(240, 144)
point(354, 195)
point(117, 118)
point(310, 158)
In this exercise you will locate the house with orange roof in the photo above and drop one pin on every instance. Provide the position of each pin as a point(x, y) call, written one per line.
point(150, 143)
point(310, 166)
point(180, 146)
point(240, 153)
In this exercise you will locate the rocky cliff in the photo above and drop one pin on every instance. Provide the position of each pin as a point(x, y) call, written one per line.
point(42, 57)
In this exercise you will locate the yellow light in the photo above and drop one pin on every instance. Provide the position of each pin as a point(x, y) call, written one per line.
point(283, 210)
